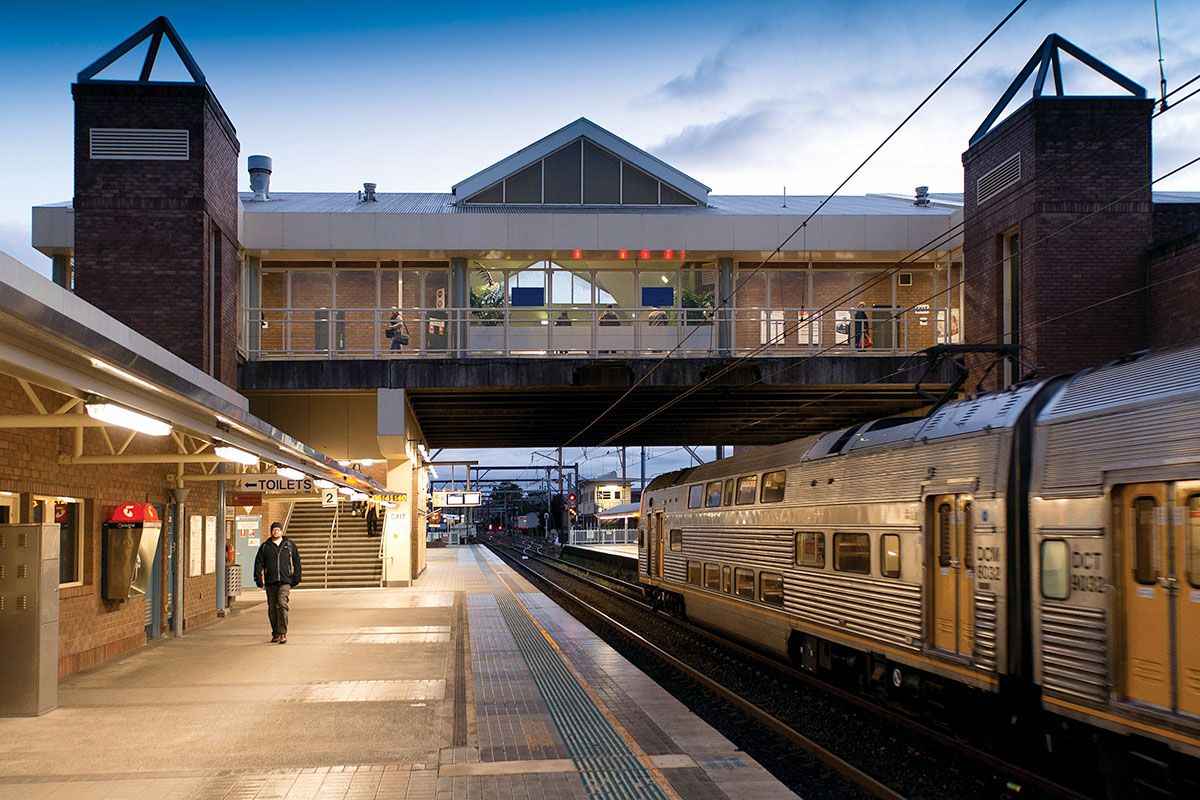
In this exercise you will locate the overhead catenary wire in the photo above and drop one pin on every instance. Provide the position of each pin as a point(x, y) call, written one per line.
point(723, 302)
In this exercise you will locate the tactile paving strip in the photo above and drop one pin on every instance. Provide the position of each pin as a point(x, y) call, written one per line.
point(605, 762)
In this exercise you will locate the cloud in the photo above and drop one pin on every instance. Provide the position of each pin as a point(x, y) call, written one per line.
point(731, 136)
point(710, 76)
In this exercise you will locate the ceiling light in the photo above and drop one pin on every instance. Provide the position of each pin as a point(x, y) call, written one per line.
point(366, 462)
point(346, 490)
point(234, 454)
point(124, 417)
point(288, 472)
point(120, 373)
point(359, 496)
point(321, 483)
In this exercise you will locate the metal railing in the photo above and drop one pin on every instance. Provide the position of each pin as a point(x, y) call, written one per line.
point(349, 333)
point(603, 535)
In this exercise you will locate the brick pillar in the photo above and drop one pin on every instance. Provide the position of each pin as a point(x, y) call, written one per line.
point(1076, 156)
point(156, 238)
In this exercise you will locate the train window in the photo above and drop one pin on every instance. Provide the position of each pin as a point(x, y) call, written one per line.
point(726, 580)
point(746, 489)
point(852, 552)
point(1056, 558)
point(712, 576)
point(712, 494)
point(944, 533)
point(696, 495)
point(770, 588)
point(1145, 553)
point(1193, 541)
point(743, 582)
point(693, 572)
point(641, 537)
point(676, 535)
point(773, 485)
point(889, 555)
point(728, 499)
point(968, 536)
point(810, 549)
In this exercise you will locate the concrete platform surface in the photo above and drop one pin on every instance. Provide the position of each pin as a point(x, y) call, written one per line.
point(469, 684)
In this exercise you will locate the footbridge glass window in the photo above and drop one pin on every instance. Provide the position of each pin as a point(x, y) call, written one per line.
point(852, 553)
point(743, 582)
point(770, 588)
point(773, 486)
point(1055, 562)
point(810, 549)
point(713, 494)
point(746, 489)
point(1145, 550)
point(889, 555)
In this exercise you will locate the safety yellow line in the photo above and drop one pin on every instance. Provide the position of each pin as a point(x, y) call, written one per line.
point(638, 753)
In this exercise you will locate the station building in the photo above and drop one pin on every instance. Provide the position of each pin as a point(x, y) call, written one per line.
point(372, 327)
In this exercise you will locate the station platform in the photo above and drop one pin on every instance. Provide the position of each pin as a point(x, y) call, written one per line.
point(628, 551)
point(469, 684)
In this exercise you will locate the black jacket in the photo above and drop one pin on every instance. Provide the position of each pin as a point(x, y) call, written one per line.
point(277, 563)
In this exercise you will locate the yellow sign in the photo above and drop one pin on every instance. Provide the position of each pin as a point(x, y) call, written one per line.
point(389, 498)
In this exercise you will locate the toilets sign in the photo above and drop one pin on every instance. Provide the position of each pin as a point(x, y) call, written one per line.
point(274, 484)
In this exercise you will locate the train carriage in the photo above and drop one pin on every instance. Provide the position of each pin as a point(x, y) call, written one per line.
point(1037, 547)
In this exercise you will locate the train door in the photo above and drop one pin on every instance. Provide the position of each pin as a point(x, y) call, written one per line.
point(952, 590)
point(658, 544)
point(1160, 589)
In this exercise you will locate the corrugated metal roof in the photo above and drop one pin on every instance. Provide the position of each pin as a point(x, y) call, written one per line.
point(437, 203)
point(1175, 197)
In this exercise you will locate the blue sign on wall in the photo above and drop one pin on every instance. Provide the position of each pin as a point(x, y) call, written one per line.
point(528, 296)
point(658, 296)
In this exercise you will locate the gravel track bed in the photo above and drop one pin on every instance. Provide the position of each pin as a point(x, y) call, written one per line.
point(902, 759)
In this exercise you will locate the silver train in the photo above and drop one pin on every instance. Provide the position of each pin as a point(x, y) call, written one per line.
point(1036, 550)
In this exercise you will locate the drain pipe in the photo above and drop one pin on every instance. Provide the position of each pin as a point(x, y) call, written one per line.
point(180, 496)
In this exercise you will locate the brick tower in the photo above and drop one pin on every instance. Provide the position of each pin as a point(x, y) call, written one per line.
point(156, 205)
point(1057, 214)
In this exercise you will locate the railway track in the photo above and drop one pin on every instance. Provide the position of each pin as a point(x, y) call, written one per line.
point(891, 756)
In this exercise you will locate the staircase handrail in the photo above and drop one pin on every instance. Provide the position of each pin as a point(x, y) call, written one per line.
point(329, 549)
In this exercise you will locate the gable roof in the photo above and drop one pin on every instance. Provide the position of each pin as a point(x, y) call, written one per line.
point(586, 129)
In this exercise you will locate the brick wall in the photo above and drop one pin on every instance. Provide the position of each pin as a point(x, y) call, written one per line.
point(1173, 300)
point(145, 229)
point(1083, 212)
point(92, 629)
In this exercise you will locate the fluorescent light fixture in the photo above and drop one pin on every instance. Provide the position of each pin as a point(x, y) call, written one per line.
point(344, 463)
point(120, 373)
point(346, 490)
point(125, 418)
point(234, 454)
point(321, 483)
point(288, 472)
point(357, 496)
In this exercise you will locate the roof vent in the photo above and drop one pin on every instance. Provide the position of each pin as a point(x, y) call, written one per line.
point(922, 196)
point(260, 176)
point(367, 195)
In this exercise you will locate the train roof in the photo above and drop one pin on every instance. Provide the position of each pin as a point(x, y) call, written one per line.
point(1149, 377)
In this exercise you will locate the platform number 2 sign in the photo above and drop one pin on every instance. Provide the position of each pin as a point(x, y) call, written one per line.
point(329, 498)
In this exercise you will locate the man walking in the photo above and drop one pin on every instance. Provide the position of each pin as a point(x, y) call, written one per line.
point(277, 568)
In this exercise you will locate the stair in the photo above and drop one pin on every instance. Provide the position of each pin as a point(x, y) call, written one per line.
point(354, 560)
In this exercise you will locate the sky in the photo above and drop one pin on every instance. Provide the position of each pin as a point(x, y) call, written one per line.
point(746, 97)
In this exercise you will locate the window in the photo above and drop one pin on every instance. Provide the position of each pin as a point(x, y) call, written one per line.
point(1145, 550)
point(676, 538)
point(693, 572)
point(889, 555)
point(770, 588)
point(641, 537)
point(968, 532)
point(944, 516)
point(726, 580)
point(852, 553)
point(773, 485)
point(8, 508)
point(810, 549)
point(728, 499)
point(712, 576)
point(713, 494)
point(743, 582)
point(746, 489)
point(1055, 573)
point(1193, 541)
point(68, 513)
point(695, 495)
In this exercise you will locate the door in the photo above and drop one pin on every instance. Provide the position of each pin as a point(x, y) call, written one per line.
point(1187, 599)
point(1145, 593)
point(952, 594)
point(658, 544)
